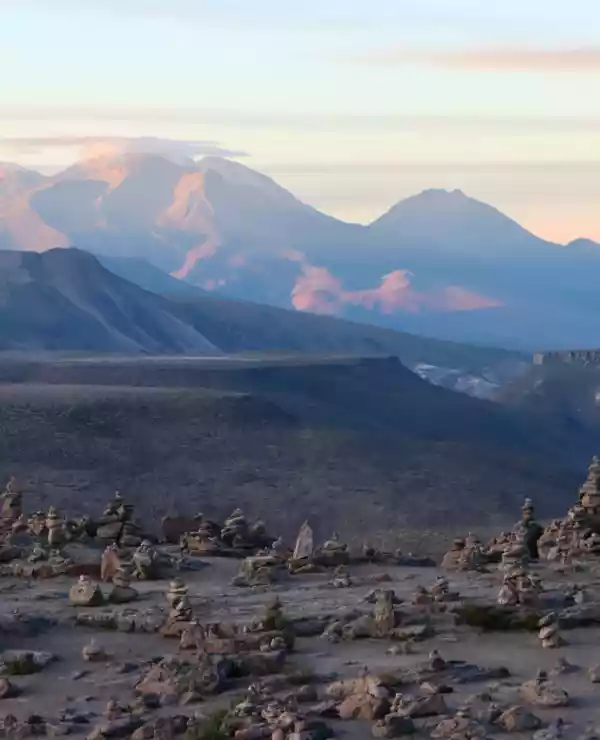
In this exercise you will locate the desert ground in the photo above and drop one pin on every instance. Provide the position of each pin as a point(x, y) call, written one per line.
point(105, 697)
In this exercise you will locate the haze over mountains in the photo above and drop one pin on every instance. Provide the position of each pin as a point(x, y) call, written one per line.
point(439, 263)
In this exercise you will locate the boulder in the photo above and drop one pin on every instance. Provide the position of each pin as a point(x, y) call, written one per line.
point(393, 726)
point(24, 662)
point(423, 706)
point(544, 693)
point(116, 728)
point(369, 685)
point(260, 663)
point(122, 595)
point(86, 593)
point(109, 532)
point(110, 564)
point(172, 677)
point(364, 706)
point(518, 719)
point(174, 527)
point(459, 728)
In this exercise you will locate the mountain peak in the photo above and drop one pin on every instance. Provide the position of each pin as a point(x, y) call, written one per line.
point(584, 244)
point(443, 194)
point(15, 179)
point(454, 222)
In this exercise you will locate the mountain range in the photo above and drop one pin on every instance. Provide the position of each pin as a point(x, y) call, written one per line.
point(439, 263)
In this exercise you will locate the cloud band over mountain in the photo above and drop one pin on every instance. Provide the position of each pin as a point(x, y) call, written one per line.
point(90, 147)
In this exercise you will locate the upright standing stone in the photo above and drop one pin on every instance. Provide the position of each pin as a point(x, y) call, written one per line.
point(55, 528)
point(304, 542)
point(12, 502)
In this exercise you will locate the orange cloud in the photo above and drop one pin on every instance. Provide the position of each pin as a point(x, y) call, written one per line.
point(498, 59)
point(317, 290)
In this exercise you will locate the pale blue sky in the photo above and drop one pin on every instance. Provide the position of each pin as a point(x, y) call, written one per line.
point(350, 104)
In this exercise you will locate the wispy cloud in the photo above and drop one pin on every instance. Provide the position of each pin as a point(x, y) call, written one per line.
point(556, 167)
point(95, 146)
point(510, 124)
point(515, 59)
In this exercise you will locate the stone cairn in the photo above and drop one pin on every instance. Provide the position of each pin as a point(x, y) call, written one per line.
point(341, 577)
point(181, 613)
point(549, 632)
point(519, 588)
point(145, 562)
point(440, 590)
point(235, 536)
point(578, 534)
point(55, 529)
point(530, 529)
point(177, 592)
point(472, 556)
point(117, 524)
point(122, 591)
point(563, 540)
point(515, 556)
point(454, 558)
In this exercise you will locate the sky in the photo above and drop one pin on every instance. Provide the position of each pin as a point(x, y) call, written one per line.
point(351, 105)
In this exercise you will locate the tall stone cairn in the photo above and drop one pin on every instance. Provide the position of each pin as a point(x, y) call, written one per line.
point(589, 493)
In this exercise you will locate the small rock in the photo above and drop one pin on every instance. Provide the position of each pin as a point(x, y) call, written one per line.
point(594, 674)
point(7, 689)
point(93, 653)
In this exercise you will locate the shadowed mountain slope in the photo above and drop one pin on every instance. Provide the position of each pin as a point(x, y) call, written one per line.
point(66, 300)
